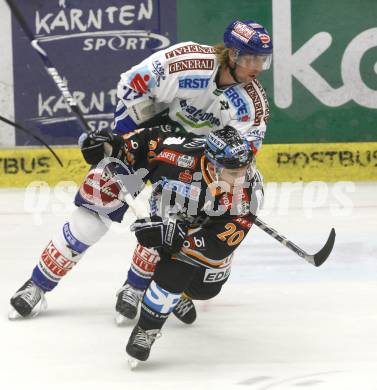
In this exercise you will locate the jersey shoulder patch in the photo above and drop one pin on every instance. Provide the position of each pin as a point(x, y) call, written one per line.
point(176, 157)
point(188, 48)
point(195, 144)
point(191, 56)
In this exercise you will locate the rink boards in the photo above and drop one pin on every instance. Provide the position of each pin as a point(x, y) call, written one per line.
point(279, 163)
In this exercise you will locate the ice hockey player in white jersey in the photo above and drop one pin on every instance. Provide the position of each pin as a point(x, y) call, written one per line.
point(192, 87)
point(199, 88)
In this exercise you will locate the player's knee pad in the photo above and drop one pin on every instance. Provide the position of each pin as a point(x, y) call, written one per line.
point(87, 226)
point(143, 264)
point(161, 301)
point(67, 247)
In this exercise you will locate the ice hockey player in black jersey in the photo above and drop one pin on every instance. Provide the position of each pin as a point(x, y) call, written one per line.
point(176, 165)
point(205, 195)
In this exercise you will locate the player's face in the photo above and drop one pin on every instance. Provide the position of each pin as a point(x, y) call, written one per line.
point(248, 66)
point(233, 177)
point(252, 61)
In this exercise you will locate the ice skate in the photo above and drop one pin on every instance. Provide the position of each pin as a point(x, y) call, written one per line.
point(139, 345)
point(25, 301)
point(185, 310)
point(128, 299)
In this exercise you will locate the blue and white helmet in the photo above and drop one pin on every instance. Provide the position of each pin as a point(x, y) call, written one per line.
point(248, 37)
point(251, 42)
point(226, 149)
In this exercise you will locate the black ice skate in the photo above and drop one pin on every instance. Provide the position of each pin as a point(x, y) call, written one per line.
point(24, 302)
point(139, 345)
point(128, 299)
point(185, 310)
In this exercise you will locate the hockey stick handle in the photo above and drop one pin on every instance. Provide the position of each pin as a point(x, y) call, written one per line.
point(137, 209)
point(51, 70)
point(16, 12)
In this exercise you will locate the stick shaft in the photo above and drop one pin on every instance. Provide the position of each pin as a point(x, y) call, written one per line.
point(279, 237)
point(50, 68)
point(29, 132)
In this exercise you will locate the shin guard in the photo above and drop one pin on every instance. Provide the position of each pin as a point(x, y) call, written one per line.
point(156, 306)
point(67, 247)
point(143, 264)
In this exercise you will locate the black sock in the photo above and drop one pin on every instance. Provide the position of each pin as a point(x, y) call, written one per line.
point(151, 319)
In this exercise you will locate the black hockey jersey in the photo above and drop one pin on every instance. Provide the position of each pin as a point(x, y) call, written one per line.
point(177, 166)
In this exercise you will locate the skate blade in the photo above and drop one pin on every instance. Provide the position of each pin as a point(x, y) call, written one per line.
point(121, 320)
point(14, 315)
point(132, 363)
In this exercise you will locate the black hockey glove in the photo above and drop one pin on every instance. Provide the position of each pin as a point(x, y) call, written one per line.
point(98, 144)
point(167, 235)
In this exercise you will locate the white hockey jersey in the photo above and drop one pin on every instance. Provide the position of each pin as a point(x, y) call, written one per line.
point(182, 80)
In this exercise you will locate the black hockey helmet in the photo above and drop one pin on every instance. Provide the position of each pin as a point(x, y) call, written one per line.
point(225, 148)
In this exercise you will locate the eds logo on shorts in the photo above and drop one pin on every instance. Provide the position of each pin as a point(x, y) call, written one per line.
point(213, 275)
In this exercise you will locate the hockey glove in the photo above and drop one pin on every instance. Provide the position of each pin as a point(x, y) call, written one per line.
point(99, 144)
point(167, 235)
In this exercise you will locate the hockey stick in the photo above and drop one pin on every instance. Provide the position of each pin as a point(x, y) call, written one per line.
point(317, 259)
point(50, 69)
point(29, 132)
point(124, 195)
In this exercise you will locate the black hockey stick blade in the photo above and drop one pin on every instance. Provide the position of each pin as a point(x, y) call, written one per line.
point(316, 259)
point(320, 257)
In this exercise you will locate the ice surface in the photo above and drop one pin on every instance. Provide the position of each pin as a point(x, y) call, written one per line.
point(279, 323)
